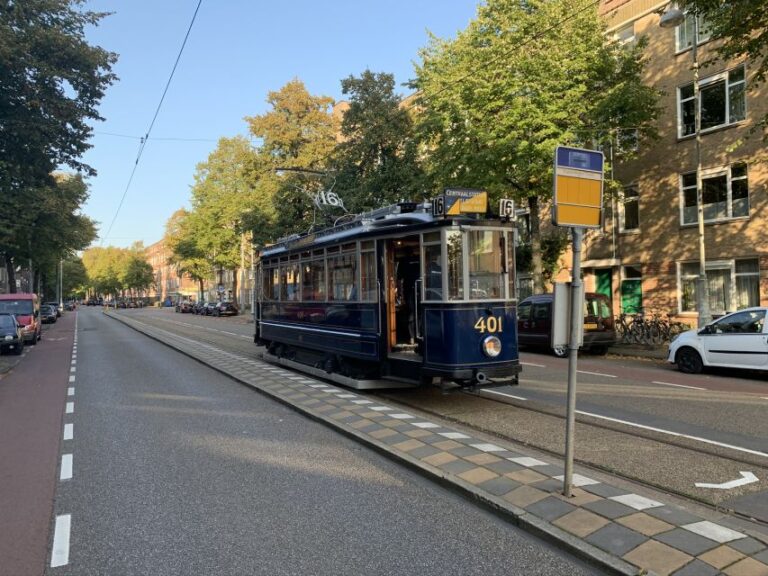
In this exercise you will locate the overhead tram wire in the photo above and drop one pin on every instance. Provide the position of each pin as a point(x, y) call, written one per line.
point(145, 138)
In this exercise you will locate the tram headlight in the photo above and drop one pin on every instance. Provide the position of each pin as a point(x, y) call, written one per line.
point(492, 346)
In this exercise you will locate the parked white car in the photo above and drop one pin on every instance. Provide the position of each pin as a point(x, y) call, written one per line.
point(737, 340)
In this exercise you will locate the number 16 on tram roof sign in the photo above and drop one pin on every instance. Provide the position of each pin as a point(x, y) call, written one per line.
point(578, 188)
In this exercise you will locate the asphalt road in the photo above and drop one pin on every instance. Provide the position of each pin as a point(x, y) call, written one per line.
point(639, 418)
point(180, 470)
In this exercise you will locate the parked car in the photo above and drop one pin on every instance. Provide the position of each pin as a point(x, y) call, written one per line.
point(48, 314)
point(208, 309)
point(737, 340)
point(69, 306)
point(26, 308)
point(225, 309)
point(11, 337)
point(55, 306)
point(534, 323)
point(185, 306)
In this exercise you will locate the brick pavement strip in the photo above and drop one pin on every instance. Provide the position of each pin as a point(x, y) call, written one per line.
point(622, 532)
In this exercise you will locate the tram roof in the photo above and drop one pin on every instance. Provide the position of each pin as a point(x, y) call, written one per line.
point(381, 220)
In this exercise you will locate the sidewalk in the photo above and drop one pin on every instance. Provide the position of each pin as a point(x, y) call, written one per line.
point(640, 350)
point(621, 531)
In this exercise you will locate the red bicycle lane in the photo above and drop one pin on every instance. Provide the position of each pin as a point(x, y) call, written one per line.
point(32, 402)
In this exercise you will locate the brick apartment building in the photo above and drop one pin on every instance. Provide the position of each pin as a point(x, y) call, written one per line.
point(169, 285)
point(647, 253)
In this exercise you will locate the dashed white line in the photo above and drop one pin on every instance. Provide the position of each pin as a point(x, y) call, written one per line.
point(71, 391)
point(532, 364)
point(488, 447)
point(361, 402)
point(677, 385)
point(74, 361)
point(70, 407)
point(401, 416)
point(504, 394)
point(425, 425)
point(71, 378)
point(380, 408)
point(69, 432)
point(73, 369)
point(454, 435)
point(66, 467)
point(60, 552)
point(672, 433)
point(596, 374)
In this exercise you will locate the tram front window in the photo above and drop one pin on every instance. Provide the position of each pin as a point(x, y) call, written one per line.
point(486, 265)
point(433, 274)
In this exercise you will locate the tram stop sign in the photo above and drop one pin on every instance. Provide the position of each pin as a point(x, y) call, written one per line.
point(578, 188)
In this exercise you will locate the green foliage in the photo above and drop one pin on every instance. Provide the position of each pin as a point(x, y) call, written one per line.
point(51, 82)
point(553, 244)
point(376, 162)
point(112, 271)
point(298, 133)
point(519, 81)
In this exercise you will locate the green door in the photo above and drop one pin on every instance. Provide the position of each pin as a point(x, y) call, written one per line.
point(631, 296)
point(603, 283)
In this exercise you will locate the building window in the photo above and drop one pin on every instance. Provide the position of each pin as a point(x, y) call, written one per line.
point(684, 36)
point(625, 35)
point(725, 194)
point(732, 285)
point(629, 210)
point(722, 102)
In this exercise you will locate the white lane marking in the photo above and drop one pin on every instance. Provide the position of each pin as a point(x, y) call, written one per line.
point(714, 531)
point(765, 398)
point(488, 447)
point(71, 391)
point(318, 386)
point(74, 361)
point(425, 425)
point(532, 364)
point(60, 552)
point(69, 432)
point(746, 478)
point(596, 374)
point(346, 396)
point(672, 433)
point(71, 378)
point(70, 407)
point(677, 385)
point(527, 461)
point(636, 501)
point(504, 394)
point(579, 480)
point(401, 416)
point(361, 402)
point(73, 369)
point(454, 435)
point(380, 408)
point(66, 467)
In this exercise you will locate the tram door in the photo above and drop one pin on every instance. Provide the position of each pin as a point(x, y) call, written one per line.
point(403, 293)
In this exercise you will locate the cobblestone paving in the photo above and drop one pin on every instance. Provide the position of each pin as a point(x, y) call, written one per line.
point(626, 532)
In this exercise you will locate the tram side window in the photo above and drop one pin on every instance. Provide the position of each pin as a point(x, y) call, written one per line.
point(485, 265)
point(290, 283)
point(271, 284)
point(433, 273)
point(368, 276)
point(313, 281)
point(342, 273)
point(455, 265)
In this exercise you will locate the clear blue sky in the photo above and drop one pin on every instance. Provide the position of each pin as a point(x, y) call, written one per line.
point(238, 51)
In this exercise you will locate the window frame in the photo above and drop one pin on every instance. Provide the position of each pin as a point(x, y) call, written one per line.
point(623, 202)
point(716, 265)
point(711, 174)
point(724, 77)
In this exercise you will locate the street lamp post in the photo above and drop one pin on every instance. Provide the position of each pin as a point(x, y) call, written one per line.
point(672, 18)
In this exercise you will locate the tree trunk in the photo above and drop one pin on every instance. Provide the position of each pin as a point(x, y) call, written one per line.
point(536, 256)
point(200, 292)
point(11, 270)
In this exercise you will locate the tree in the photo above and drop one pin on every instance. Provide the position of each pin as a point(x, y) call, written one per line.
point(102, 265)
point(136, 274)
point(299, 133)
point(376, 162)
point(523, 78)
point(181, 237)
point(51, 82)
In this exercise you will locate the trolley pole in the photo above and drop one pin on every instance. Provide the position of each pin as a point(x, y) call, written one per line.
point(577, 320)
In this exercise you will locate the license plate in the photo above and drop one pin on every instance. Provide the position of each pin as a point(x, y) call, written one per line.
point(590, 326)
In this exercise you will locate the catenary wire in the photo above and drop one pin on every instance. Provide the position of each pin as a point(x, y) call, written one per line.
point(145, 138)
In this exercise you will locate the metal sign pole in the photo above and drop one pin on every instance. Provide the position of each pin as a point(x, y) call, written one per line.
point(577, 319)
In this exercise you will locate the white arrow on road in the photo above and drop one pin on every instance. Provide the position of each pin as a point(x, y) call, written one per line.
point(746, 478)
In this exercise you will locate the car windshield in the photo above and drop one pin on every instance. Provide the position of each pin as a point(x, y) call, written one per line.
point(7, 321)
point(16, 307)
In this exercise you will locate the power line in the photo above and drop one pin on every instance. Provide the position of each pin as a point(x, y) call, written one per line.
point(145, 138)
point(156, 138)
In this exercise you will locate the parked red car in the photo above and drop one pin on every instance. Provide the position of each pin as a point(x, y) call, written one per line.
point(26, 308)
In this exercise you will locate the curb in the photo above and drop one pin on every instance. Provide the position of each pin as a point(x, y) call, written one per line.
point(519, 517)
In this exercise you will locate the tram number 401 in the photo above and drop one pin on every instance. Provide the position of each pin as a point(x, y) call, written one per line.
point(491, 324)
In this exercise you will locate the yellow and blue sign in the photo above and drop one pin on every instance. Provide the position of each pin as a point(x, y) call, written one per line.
point(578, 188)
point(456, 201)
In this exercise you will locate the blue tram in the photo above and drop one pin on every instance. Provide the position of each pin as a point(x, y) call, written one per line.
point(396, 297)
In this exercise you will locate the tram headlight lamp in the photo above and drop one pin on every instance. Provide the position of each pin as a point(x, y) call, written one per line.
point(491, 346)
